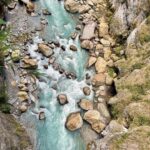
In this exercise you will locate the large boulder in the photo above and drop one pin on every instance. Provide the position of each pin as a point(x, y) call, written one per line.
point(45, 50)
point(92, 116)
point(87, 44)
point(86, 104)
point(29, 63)
point(98, 79)
point(74, 121)
point(30, 6)
point(71, 6)
point(89, 31)
point(100, 65)
point(98, 126)
point(22, 95)
point(91, 61)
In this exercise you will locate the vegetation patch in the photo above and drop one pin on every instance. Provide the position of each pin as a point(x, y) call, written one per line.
point(141, 120)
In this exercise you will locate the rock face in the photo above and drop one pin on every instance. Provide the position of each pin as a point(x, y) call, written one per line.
point(86, 104)
point(88, 31)
point(74, 121)
point(45, 50)
point(71, 6)
point(13, 136)
point(133, 139)
point(62, 99)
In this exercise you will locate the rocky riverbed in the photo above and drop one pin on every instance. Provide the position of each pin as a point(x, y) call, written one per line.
point(113, 111)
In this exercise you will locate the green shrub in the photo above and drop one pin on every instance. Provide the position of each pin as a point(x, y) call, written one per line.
point(5, 108)
point(141, 120)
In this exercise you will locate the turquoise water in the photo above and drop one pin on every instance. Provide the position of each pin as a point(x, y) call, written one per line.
point(51, 133)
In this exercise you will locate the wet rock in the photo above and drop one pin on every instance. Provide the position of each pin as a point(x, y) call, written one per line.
point(22, 95)
point(87, 44)
point(29, 63)
point(98, 79)
point(74, 35)
point(42, 115)
point(30, 7)
point(51, 60)
point(45, 50)
point(87, 76)
point(74, 121)
point(63, 47)
point(87, 90)
point(89, 31)
point(56, 43)
point(85, 104)
point(46, 12)
point(61, 70)
point(78, 27)
point(33, 14)
point(73, 48)
point(45, 66)
point(100, 65)
point(91, 61)
point(70, 75)
point(15, 55)
point(44, 22)
point(62, 99)
point(56, 66)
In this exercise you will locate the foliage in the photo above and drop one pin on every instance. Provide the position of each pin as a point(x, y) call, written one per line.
point(141, 120)
point(5, 108)
point(37, 73)
point(4, 2)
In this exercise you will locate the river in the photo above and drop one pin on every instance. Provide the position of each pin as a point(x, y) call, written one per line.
point(51, 134)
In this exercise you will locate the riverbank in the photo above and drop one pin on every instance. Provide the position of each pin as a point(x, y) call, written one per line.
point(123, 40)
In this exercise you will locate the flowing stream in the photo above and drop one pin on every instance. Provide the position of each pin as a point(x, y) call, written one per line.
point(51, 133)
